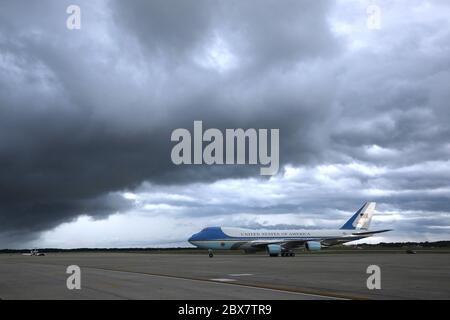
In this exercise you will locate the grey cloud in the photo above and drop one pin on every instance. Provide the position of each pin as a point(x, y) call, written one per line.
point(84, 114)
point(261, 33)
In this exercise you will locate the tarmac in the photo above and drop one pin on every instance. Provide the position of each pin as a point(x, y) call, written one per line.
point(249, 277)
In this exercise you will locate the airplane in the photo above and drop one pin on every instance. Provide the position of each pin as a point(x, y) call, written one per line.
point(282, 242)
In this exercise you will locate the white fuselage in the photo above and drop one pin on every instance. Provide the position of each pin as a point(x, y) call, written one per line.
point(239, 238)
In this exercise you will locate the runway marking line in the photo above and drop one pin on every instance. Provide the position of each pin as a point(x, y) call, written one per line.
point(240, 274)
point(223, 280)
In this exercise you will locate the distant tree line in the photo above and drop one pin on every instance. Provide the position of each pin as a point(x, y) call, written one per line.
point(436, 244)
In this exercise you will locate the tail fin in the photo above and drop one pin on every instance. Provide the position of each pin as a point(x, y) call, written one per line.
point(361, 219)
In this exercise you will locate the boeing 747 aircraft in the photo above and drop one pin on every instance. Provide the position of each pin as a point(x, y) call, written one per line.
point(282, 242)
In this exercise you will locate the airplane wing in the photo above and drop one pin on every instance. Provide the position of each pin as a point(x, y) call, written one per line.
point(287, 244)
point(370, 232)
point(325, 242)
point(291, 244)
point(263, 243)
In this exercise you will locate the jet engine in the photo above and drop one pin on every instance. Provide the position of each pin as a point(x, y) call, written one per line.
point(274, 250)
point(313, 245)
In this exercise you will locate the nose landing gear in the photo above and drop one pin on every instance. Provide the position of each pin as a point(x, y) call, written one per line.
point(210, 253)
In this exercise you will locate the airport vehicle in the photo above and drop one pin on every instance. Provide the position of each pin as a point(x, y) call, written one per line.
point(282, 242)
point(34, 252)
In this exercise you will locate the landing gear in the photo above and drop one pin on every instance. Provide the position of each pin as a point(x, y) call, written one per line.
point(288, 254)
point(210, 253)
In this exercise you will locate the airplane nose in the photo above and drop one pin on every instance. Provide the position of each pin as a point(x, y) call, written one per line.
point(192, 238)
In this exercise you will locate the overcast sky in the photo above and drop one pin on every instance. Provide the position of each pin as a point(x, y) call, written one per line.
point(86, 117)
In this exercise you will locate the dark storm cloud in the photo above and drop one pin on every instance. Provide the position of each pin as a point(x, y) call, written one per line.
point(86, 113)
point(260, 31)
